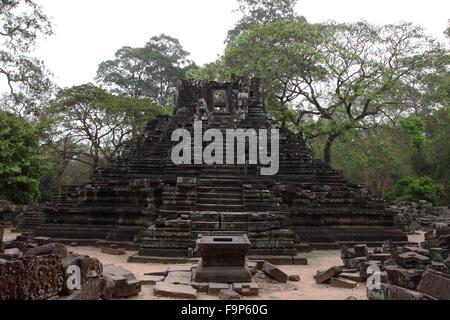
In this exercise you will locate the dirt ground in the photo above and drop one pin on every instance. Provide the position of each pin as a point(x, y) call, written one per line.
point(306, 289)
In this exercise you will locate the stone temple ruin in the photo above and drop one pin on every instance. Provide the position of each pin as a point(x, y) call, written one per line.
point(146, 201)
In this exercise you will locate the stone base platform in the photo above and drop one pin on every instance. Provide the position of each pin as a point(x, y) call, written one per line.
point(277, 260)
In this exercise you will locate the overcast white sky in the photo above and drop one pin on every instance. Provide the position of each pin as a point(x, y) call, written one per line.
point(90, 31)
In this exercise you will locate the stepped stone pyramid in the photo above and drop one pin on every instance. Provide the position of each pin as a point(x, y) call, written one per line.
point(144, 199)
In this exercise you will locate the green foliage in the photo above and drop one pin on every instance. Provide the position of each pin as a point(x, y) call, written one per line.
point(421, 188)
point(151, 72)
point(22, 160)
point(261, 12)
point(337, 76)
point(93, 125)
point(414, 128)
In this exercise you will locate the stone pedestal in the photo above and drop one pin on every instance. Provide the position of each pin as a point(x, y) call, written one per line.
point(223, 259)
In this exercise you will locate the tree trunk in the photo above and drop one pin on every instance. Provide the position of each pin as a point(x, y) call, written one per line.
point(328, 145)
point(385, 186)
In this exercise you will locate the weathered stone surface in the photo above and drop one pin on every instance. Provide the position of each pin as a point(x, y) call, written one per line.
point(53, 248)
point(114, 252)
point(246, 289)
point(275, 273)
point(393, 292)
point(150, 280)
point(31, 278)
point(125, 283)
point(325, 276)
point(223, 259)
point(412, 260)
point(229, 294)
point(405, 278)
point(361, 250)
point(343, 283)
point(215, 288)
point(175, 291)
point(435, 284)
point(294, 278)
point(179, 277)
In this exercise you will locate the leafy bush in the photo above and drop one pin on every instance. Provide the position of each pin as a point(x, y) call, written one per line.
point(421, 188)
point(22, 160)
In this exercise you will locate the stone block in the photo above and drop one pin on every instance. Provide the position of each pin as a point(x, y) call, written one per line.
point(405, 278)
point(435, 284)
point(215, 288)
point(228, 294)
point(169, 290)
point(179, 277)
point(114, 252)
point(343, 283)
point(325, 276)
point(361, 250)
point(246, 289)
point(275, 273)
point(412, 260)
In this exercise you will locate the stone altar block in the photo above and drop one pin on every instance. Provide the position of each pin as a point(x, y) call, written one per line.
point(223, 259)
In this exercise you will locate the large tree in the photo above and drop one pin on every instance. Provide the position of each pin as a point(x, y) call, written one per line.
point(261, 12)
point(336, 77)
point(22, 160)
point(150, 72)
point(92, 125)
point(24, 77)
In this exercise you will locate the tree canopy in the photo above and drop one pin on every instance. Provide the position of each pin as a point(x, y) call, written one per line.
point(150, 72)
point(22, 160)
point(28, 82)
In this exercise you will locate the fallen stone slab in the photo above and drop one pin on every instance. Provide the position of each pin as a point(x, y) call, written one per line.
point(181, 268)
point(343, 283)
point(201, 287)
point(151, 280)
point(435, 284)
point(275, 273)
point(169, 290)
point(246, 289)
point(179, 277)
point(325, 276)
point(215, 288)
point(393, 292)
point(421, 251)
point(125, 283)
point(405, 278)
point(52, 248)
point(114, 252)
point(412, 260)
point(228, 294)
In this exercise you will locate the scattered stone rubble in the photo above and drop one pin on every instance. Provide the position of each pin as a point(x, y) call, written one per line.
point(412, 216)
point(35, 268)
point(406, 273)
